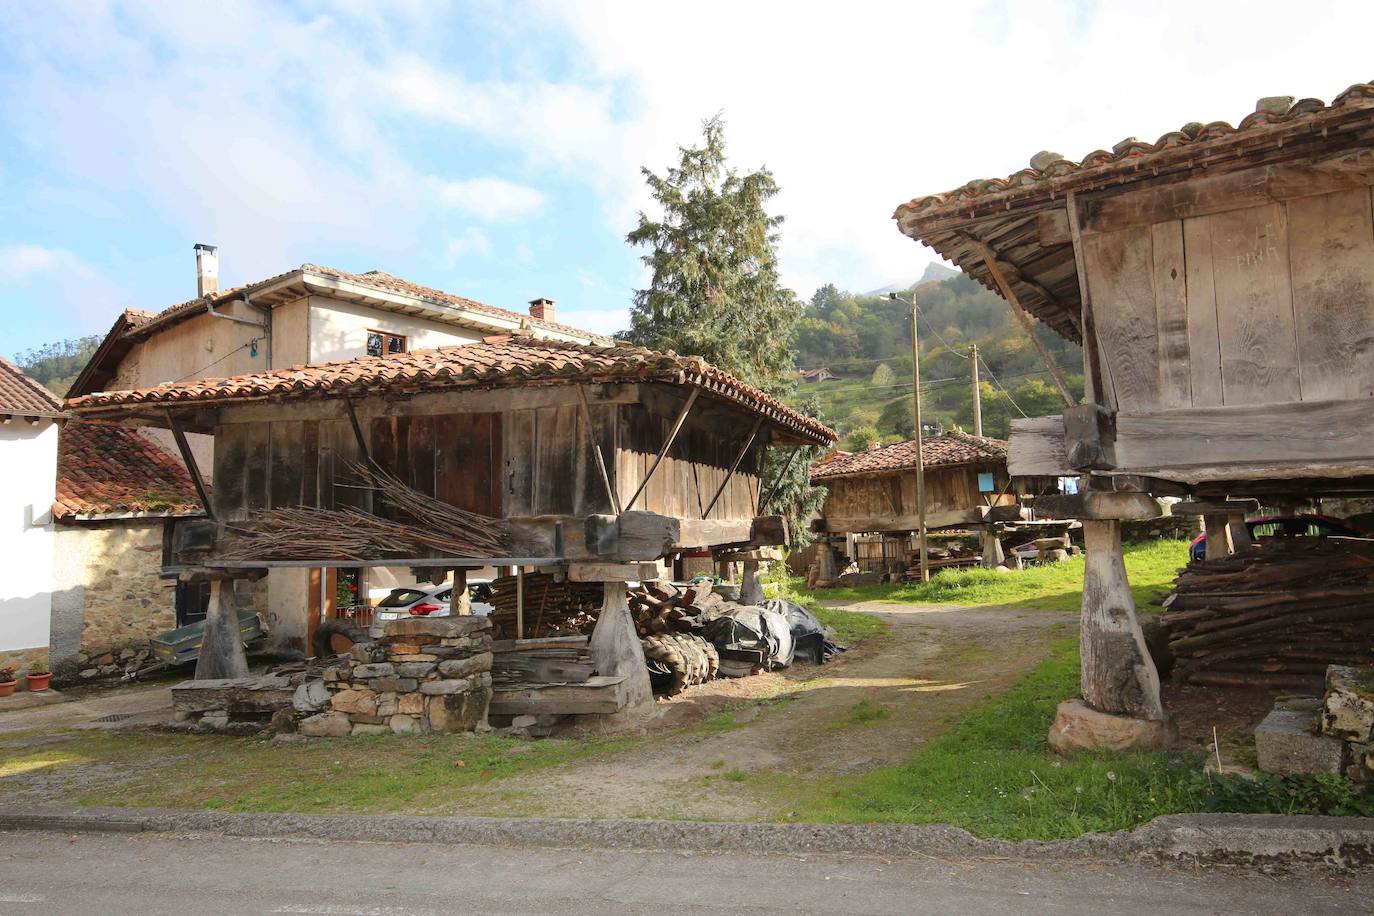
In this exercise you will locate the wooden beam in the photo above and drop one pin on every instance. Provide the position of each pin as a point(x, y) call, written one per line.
point(358, 433)
point(192, 468)
point(763, 503)
point(1104, 506)
point(596, 449)
point(998, 277)
point(753, 433)
point(1216, 507)
point(667, 444)
point(1092, 356)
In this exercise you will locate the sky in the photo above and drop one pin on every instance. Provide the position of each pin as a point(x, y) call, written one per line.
point(494, 149)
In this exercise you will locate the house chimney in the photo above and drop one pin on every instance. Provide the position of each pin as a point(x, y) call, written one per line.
point(541, 308)
point(207, 269)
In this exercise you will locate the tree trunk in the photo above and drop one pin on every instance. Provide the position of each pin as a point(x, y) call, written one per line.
point(221, 648)
point(1118, 675)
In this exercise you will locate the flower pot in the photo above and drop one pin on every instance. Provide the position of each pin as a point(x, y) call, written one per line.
point(39, 681)
point(7, 687)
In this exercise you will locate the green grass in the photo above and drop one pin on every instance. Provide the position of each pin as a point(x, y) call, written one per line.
point(994, 775)
point(372, 775)
point(864, 712)
point(1150, 565)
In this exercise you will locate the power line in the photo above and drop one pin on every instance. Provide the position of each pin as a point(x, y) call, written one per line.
point(930, 324)
point(1003, 389)
point(195, 373)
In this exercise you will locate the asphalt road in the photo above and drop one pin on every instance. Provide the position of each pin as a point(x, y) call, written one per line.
point(59, 874)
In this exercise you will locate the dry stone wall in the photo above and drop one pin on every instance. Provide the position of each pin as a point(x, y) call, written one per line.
point(423, 675)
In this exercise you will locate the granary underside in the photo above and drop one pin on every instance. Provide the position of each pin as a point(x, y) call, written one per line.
point(1222, 281)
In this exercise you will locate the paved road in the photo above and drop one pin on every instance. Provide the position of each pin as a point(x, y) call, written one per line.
point(143, 874)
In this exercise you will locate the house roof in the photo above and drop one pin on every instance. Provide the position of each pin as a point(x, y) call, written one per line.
point(946, 450)
point(104, 362)
point(313, 277)
point(497, 362)
point(112, 470)
point(1006, 213)
point(24, 397)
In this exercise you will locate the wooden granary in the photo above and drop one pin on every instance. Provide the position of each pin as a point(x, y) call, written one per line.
point(1221, 281)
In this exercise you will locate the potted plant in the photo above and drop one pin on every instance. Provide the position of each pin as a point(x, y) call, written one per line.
point(7, 682)
point(39, 675)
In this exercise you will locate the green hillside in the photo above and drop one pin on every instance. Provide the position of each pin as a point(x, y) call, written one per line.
point(866, 341)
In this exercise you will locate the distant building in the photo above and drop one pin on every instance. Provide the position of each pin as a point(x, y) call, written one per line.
point(822, 374)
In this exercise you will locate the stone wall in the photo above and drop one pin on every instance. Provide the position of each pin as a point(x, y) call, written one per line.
point(109, 598)
point(423, 675)
point(1331, 734)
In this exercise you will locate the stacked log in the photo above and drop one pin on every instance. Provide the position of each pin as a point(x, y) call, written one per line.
point(679, 660)
point(520, 663)
point(552, 608)
point(660, 607)
point(1275, 614)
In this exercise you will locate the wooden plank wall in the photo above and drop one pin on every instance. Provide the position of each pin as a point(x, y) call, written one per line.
point(694, 467)
point(1249, 305)
point(947, 490)
point(550, 468)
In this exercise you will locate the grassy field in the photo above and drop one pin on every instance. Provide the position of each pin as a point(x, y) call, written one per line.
point(993, 774)
point(1059, 587)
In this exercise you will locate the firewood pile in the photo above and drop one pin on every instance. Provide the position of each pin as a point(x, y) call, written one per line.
point(552, 608)
point(661, 607)
point(416, 525)
point(1275, 614)
point(552, 660)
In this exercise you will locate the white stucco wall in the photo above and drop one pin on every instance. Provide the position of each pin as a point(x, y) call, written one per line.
point(28, 455)
point(338, 330)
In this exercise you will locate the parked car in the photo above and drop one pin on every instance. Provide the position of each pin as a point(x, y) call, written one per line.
point(425, 601)
point(1285, 526)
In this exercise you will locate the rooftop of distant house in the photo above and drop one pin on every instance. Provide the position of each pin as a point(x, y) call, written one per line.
point(945, 450)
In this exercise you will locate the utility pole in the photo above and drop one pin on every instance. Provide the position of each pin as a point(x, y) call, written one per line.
point(920, 457)
point(977, 394)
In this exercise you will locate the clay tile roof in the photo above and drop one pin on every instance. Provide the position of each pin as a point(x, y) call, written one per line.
point(497, 362)
point(104, 470)
point(1134, 155)
point(376, 279)
point(951, 448)
point(22, 396)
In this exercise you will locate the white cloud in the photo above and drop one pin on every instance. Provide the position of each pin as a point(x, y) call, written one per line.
point(491, 199)
point(22, 260)
point(472, 243)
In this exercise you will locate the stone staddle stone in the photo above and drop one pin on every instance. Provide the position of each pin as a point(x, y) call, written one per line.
point(1079, 727)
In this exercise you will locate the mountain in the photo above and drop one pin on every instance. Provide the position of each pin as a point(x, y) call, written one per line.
point(934, 271)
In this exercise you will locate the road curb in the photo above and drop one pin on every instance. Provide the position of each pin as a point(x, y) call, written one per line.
point(1236, 839)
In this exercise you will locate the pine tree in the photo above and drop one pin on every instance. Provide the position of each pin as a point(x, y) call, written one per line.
point(715, 290)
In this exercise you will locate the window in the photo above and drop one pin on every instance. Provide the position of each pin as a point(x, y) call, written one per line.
point(380, 343)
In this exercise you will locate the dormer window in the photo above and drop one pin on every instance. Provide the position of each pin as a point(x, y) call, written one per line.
point(379, 343)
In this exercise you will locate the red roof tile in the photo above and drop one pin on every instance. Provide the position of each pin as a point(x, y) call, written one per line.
point(1050, 173)
point(951, 448)
point(498, 362)
point(22, 396)
point(105, 469)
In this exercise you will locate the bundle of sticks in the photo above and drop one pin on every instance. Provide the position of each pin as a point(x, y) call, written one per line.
point(661, 607)
point(415, 525)
point(1274, 615)
point(551, 660)
point(552, 608)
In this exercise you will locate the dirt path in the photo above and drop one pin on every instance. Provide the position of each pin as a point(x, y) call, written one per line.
point(872, 707)
point(130, 704)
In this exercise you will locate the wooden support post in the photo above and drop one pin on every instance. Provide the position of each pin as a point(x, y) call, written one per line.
point(751, 584)
point(221, 648)
point(1118, 675)
point(993, 556)
point(997, 276)
point(667, 444)
point(616, 652)
point(827, 570)
point(1218, 536)
point(1238, 530)
point(763, 503)
point(596, 451)
point(519, 602)
point(1093, 378)
point(460, 602)
point(192, 468)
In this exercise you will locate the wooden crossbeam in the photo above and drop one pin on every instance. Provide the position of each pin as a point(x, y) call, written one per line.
point(667, 444)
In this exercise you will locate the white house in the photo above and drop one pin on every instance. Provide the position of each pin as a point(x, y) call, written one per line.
point(28, 455)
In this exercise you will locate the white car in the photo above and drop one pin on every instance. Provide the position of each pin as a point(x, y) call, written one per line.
point(420, 601)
